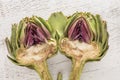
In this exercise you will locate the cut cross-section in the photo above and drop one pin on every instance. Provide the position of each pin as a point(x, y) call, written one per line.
point(79, 30)
point(79, 50)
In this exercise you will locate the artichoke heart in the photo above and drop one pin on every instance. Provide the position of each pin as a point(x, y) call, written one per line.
point(37, 53)
point(79, 50)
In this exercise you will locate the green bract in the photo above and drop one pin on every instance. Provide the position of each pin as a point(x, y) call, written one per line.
point(58, 22)
point(31, 44)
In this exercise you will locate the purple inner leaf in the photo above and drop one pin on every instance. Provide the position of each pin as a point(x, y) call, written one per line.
point(35, 35)
point(79, 30)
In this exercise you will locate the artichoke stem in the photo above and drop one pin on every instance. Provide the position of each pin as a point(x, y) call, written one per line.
point(42, 70)
point(59, 77)
point(77, 69)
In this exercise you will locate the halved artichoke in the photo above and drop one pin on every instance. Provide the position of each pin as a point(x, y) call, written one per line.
point(31, 44)
point(81, 37)
point(85, 38)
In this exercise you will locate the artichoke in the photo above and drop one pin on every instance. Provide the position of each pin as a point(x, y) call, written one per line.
point(81, 37)
point(85, 39)
point(31, 44)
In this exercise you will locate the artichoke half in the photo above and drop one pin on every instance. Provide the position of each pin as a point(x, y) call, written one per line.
point(31, 44)
point(85, 39)
point(82, 37)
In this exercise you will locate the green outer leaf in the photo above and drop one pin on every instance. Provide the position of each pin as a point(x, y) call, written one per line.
point(99, 25)
point(14, 38)
point(105, 36)
point(21, 36)
point(46, 24)
point(104, 50)
point(99, 28)
point(92, 24)
point(99, 33)
point(9, 47)
point(57, 22)
point(70, 21)
point(104, 39)
point(13, 61)
point(40, 21)
point(20, 32)
point(20, 27)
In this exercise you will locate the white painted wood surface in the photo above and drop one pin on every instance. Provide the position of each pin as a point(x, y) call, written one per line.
point(12, 11)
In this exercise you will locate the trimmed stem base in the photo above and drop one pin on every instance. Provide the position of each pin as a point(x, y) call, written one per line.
point(76, 69)
point(42, 70)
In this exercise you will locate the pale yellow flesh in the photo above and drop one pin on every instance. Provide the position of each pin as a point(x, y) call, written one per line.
point(79, 50)
point(36, 53)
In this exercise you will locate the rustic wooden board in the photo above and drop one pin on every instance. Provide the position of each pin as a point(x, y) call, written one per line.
point(12, 11)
